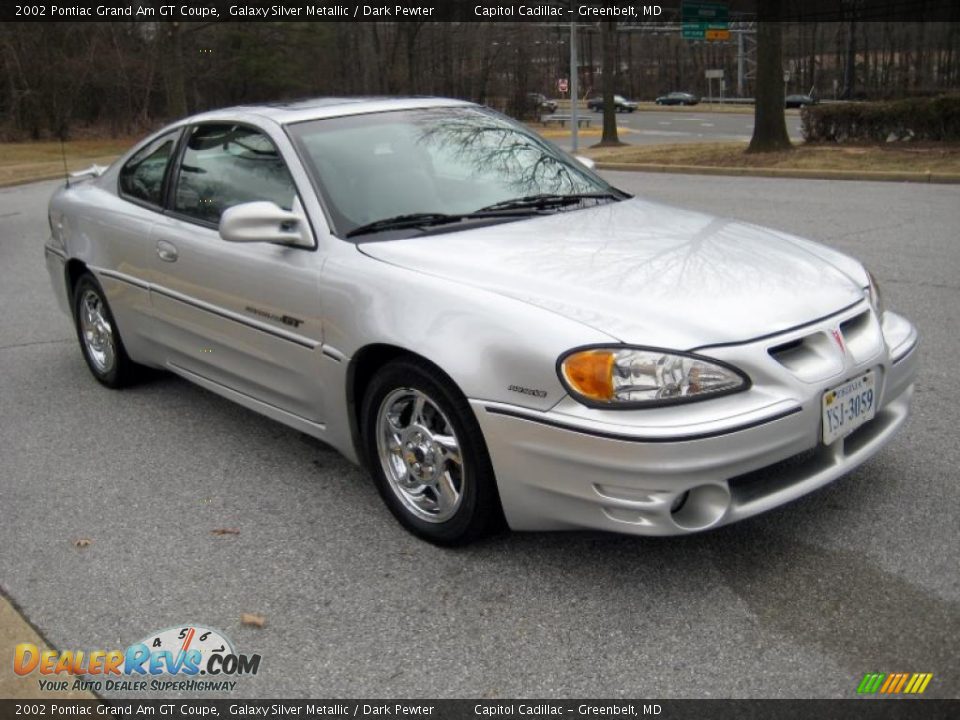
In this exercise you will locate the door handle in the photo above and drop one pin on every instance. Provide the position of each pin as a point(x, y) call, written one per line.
point(166, 251)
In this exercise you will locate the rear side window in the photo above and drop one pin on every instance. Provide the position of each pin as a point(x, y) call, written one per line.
point(226, 165)
point(142, 177)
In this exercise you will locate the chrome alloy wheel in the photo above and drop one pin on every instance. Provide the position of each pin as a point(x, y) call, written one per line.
point(96, 332)
point(420, 455)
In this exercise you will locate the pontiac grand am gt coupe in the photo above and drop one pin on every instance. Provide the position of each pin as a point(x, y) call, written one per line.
point(489, 327)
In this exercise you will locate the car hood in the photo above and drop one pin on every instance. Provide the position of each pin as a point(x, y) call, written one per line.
point(644, 273)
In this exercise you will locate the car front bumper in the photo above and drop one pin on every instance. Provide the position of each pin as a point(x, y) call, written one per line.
point(678, 470)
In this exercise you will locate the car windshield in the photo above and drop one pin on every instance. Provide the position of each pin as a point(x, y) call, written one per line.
point(447, 161)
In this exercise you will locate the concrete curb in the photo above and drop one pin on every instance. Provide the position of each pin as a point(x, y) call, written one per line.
point(880, 176)
point(15, 629)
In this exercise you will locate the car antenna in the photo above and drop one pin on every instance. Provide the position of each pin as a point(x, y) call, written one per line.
point(63, 154)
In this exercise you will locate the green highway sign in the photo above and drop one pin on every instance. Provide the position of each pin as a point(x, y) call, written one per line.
point(705, 20)
point(705, 12)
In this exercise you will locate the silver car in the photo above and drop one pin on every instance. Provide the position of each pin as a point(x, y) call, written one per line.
point(493, 330)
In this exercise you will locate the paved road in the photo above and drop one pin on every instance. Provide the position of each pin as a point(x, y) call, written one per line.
point(664, 127)
point(861, 576)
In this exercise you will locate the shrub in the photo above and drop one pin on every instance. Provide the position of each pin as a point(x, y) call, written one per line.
point(932, 119)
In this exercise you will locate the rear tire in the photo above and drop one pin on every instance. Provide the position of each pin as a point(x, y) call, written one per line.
point(99, 336)
point(426, 453)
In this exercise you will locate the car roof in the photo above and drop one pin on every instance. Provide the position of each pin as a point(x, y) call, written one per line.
point(292, 111)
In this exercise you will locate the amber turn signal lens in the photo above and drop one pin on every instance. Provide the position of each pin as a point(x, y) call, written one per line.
point(590, 373)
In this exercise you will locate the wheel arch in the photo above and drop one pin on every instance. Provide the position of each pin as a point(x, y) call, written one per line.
point(364, 364)
point(73, 271)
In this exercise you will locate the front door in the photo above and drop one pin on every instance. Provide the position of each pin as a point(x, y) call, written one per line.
point(245, 316)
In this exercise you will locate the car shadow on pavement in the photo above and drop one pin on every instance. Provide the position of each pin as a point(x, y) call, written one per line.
point(839, 602)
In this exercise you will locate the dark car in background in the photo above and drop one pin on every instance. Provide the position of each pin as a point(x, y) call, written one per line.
point(620, 104)
point(799, 101)
point(678, 98)
point(542, 102)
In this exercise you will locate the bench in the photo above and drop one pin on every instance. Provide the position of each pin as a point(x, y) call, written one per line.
point(562, 120)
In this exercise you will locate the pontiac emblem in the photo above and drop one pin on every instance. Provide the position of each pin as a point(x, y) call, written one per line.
point(838, 338)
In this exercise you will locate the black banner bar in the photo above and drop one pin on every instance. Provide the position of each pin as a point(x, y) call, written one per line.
point(854, 709)
point(586, 11)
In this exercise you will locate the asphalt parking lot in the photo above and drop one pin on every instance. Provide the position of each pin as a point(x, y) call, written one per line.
point(859, 577)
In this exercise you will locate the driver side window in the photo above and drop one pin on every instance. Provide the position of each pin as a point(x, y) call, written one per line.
point(226, 165)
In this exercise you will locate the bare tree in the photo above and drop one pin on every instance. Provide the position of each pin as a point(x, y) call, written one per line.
point(609, 31)
point(131, 76)
point(769, 123)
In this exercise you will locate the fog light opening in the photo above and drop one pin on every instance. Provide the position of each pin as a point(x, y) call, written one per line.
point(679, 501)
point(700, 507)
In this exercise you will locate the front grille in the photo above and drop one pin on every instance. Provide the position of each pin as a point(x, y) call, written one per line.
point(818, 355)
point(779, 475)
point(811, 358)
point(797, 468)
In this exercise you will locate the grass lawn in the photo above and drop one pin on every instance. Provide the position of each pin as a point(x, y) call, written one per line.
point(24, 162)
point(587, 134)
point(890, 157)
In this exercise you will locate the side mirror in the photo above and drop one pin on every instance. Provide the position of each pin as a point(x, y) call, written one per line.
point(585, 161)
point(264, 221)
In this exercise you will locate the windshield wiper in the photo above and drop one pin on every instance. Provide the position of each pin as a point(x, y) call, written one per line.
point(410, 220)
point(506, 208)
point(547, 200)
point(418, 220)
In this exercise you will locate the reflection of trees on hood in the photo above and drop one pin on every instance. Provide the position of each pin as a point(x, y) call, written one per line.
point(484, 143)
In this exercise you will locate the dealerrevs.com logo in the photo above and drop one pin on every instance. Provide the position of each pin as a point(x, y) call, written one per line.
point(170, 660)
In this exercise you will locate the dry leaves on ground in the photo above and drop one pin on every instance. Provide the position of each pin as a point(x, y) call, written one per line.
point(253, 619)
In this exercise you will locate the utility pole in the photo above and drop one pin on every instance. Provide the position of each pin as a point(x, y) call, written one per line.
point(574, 87)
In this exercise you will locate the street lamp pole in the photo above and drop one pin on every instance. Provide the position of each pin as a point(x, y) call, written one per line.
point(574, 86)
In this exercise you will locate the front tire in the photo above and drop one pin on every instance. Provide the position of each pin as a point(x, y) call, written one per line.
point(98, 335)
point(426, 453)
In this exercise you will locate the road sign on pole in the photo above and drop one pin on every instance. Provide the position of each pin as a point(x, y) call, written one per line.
point(574, 90)
point(562, 85)
point(705, 21)
point(712, 34)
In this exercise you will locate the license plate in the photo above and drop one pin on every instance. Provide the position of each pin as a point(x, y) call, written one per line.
point(848, 406)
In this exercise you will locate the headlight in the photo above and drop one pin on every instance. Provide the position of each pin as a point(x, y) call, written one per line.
point(876, 299)
point(644, 377)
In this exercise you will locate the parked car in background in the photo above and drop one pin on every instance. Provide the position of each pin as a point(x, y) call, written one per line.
point(678, 98)
point(799, 101)
point(487, 326)
point(620, 104)
point(542, 102)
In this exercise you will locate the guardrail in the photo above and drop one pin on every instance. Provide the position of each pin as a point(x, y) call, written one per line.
point(562, 119)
